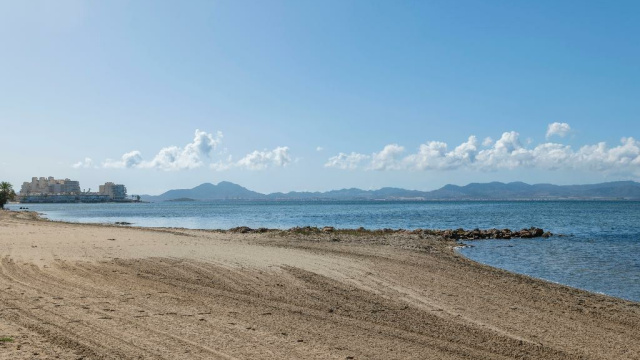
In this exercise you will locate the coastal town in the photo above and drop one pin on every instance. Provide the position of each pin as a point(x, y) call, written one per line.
point(51, 190)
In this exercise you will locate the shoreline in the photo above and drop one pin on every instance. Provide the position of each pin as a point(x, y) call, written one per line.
point(371, 232)
point(458, 235)
point(454, 234)
point(183, 293)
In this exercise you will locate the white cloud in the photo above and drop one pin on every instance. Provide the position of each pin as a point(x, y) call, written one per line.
point(558, 129)
point(194, 155)
point(488, 141)
point(172, 158)
point(551, 156)
point(319, 148)
point(387, 159)
point(129, 160)
point(86, 163)
point(617, 159)
point(508, 152)
point(259, 160)
point(435, 155)
point(190, 157)
point(256, 160)
point(346, 161)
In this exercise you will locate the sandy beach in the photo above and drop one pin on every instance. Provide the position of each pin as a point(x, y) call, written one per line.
point(73, 291)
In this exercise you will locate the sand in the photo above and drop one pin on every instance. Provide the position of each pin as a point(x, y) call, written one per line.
point(72, 291)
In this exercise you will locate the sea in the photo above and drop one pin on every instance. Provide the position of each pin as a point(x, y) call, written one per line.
point(596, 247)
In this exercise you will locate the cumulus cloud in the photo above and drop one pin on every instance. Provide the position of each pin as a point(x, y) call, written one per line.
point(259, 160)
point(508, 152)
point(435, 155)
point(256, 160)
point(189, 157)
point(558, 129)
point(172, 157)
point(602, 158)
point(388, 159)
point(319, 148)
point(86, 163)
point(346, 161)
point(193, 155)
point(129, 160)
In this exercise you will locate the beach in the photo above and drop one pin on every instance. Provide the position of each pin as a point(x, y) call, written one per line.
point(72, 291)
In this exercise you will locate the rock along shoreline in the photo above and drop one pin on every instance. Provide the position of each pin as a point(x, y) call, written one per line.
point(449, 234)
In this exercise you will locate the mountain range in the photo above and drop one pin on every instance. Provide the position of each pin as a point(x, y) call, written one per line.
point(619, 190)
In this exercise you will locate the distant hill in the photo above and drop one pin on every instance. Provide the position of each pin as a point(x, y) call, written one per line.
point(628, 190)
point(619, 190)
point(223, 191)
point(387, 193)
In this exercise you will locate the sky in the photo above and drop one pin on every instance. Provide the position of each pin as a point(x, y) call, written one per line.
point(319, 95)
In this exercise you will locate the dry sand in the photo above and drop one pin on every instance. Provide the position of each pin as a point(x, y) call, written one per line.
point(73, 291)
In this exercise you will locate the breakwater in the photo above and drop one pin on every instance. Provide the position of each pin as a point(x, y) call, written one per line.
point(449, 234)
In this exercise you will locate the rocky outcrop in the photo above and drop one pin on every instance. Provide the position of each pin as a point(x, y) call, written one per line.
point(449, 234)
point(477, 234)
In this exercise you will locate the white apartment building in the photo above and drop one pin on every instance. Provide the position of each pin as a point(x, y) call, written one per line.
point(115, 191)
point(49, 186)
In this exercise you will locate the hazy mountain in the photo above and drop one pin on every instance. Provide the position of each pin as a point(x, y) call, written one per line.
point(387, 193)
point(628, 190)
point(520, 190)
point(223, 191)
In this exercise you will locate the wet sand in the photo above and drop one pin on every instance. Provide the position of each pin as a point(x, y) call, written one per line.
point(71, 291)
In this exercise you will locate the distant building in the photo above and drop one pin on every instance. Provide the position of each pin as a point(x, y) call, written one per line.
point(50, 190)
point(116, 192)
point(49, 186)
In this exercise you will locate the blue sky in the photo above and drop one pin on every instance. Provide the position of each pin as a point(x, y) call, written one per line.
point(318, 95)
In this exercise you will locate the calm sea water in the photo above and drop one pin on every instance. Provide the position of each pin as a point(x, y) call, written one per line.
point(601, 252)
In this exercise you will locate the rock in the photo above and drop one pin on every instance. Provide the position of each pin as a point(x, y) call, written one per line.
point(241, 230)
point(525, 234)
point(328, 229)
point(477, 234)
point(536, 232)
point(547, 235)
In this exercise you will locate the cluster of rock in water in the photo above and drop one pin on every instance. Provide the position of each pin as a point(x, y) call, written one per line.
point(477, 234)
point(450, 234)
